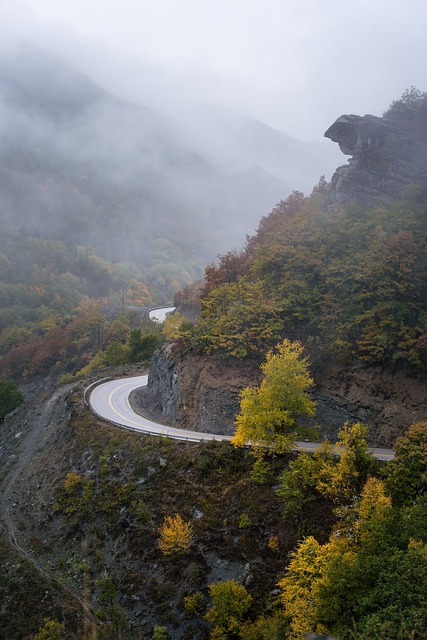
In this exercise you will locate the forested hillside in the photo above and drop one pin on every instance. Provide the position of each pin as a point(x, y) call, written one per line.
point(59, 305)
point(103, 203)
point(351, 282)
point(344, 269)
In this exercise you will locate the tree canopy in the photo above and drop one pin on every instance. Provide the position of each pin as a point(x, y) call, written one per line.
point(352, 284)
point(407, 472)
point(369, 579)
point(269, 414)
point(358, 582)
point(10, 397)
point(230, 603)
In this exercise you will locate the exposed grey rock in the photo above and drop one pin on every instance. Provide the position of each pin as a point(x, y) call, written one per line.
point(388, 155)
point(161, 398)
point(388, 403)
point(193, 391)
point(202, 394)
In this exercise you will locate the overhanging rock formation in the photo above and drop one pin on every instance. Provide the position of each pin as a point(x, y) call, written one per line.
point(388, 154)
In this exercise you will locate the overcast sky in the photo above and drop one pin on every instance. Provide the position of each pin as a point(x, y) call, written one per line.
point(295, 64)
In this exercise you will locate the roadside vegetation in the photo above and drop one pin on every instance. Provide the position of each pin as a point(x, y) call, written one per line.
point(270, 415)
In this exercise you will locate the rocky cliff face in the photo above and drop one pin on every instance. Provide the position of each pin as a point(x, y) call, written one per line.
point(388, 154)
point(387, 403)
point(202, 394)
point(195, 392)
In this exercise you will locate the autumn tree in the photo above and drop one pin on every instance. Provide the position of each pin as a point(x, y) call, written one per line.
point(51, 630)
point(299, 481)
point(337, 478)
point(284, 211)
point(230, 267)
point(372, 498)
point(175, 535)
point(343, 478)
point(160, 633)
point(10, 398)
point(172, 325)
point(298, 587)
point(371, 513)
point(230, 603)
point(269, 414)
point(193, 604)
point(407, 472)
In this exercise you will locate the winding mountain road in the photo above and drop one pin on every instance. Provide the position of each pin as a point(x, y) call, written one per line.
point(110, 400)
point(159, 314)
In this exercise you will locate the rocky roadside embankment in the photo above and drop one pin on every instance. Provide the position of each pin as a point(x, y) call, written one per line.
point(202, 393)
point(194, 392)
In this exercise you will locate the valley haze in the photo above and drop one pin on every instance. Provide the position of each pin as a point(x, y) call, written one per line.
point(293, 65)
point(86, 167)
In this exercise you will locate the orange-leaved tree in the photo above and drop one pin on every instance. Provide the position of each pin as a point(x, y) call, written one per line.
point(175, 535)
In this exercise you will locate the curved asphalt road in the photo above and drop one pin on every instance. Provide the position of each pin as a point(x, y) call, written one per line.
point(159, 315)
point(110, 400)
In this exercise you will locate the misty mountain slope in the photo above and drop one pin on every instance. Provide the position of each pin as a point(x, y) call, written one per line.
point(80, 165)
point(253, 143)
point(29, 76)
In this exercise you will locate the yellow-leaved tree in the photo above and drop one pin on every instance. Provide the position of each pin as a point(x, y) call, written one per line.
point(343, 479)
point(269, 414)
point(172, 325)
point(175, 535)
point(230, 604)
point(51, 630)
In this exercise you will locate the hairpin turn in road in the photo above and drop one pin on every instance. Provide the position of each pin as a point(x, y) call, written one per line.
point(110, 400)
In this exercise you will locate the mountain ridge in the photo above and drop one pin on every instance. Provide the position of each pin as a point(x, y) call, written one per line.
point(59, 117)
